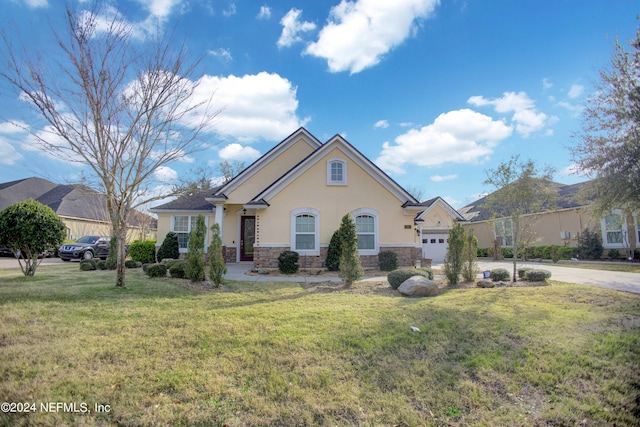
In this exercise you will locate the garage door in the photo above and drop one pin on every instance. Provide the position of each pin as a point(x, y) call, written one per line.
point(434, 246)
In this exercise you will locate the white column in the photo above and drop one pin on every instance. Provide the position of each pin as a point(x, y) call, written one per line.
point(219, 219)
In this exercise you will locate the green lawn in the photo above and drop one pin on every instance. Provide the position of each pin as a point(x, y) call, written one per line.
point(281, 354)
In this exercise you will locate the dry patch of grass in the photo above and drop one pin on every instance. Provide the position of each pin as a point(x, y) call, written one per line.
point(258, 354)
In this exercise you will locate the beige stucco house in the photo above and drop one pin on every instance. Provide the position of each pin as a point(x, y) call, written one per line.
point(561, 226)
point(293, 198)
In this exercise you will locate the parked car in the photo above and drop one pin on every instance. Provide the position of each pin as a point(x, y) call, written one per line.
point(86, 247)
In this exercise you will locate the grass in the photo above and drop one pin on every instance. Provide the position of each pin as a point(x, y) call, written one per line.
point(282, 354)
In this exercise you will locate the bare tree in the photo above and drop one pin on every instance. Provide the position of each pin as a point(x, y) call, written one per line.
point(119, 106)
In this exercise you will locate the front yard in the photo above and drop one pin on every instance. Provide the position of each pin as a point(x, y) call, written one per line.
point(283, 354)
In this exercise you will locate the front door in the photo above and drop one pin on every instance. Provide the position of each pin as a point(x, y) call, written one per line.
point(247, 237)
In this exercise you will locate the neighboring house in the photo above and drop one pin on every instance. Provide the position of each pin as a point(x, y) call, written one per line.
point(561, 226)
point(82, 209)
point(293, 198)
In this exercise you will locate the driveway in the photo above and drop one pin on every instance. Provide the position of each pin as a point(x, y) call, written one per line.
point(9, 262)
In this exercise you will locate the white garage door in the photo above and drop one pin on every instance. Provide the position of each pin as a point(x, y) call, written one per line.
point(434, 246)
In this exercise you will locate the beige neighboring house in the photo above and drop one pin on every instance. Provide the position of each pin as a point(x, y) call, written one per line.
point(561, 226)
point(82, 209)
point(293, 198)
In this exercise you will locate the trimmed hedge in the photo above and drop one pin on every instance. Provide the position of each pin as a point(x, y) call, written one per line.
point(101, 265)
point(157, 270)
point(397, 277)
point(537, 275)
point(542, 252)
point(176, 269)
point(522, 272)
point(288, 262)
point(143, 251)
point(499, 274)
point(388, 260)
point(88, 265)
point(130, 263)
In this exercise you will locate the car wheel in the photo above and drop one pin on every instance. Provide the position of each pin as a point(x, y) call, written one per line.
point(87, 255)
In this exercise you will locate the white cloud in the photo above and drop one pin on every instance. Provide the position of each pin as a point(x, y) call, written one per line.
point(8, 154)
point(160, 8)
point(13, 127)
point(238, 152)
point(165, 174)
point(254, 106)
point(292, 27)
point(525, 116)
point(33, 4)
point(230, 10)
point(572, 108)
point(381, 124)
point(575, 91)
point(359, 33)
point(461, 136)
point(440, 178)
point(546, 84)
point(222, 54)
point(265, 13)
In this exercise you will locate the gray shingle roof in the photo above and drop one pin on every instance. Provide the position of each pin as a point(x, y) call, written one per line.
point(194, 202)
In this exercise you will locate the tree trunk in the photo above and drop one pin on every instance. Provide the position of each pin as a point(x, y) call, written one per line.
point(121, 255)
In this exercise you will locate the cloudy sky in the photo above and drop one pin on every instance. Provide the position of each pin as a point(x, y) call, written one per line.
point(435, 92)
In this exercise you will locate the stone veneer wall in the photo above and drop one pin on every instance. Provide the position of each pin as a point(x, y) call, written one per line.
point(268, 257)
point(229, 253)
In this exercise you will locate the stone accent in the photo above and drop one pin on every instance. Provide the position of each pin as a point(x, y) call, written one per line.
point(418, 286)
point(229, 253)
point(407, 256)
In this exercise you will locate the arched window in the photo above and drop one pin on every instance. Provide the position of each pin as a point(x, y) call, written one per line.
point(305, 231)
point(336, 172)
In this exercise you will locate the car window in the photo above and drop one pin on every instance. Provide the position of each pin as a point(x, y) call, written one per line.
point(87, 239)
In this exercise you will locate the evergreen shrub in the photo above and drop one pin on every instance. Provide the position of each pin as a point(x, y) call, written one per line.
point(176, 270)
point(499, 274)
point(157, 270)
point(388, 260)
point(537, 275)
point(398, 277)
point(88, 265)
point(288, 262)
point(143, 251)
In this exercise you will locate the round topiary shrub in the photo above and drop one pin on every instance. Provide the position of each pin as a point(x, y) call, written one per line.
point(130, 263)
point(398, 277)
point(522, 272)
point(143, 251)
point(538, 275)
point(499, 274)
point(157, 270)
point(288, 262)
point(388, 260)
point(101, 265)
point(87, 265)
point(176, 270)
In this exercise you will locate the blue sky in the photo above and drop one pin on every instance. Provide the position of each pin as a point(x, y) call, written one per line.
point(434, 92)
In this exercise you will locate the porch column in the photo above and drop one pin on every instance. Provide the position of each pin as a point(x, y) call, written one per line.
point(219, 218)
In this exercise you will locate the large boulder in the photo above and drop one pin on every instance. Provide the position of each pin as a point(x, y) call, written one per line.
point(418, 286)
point(486, 284)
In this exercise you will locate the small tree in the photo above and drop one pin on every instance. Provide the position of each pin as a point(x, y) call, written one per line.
point(470, 257)
point(217, 266)
point(454, 259)
point(112, 257)
point(170, 247)
point(333, 252)
point(350, 268)
point(194, 268)
point(589, 245)
point(29, 228)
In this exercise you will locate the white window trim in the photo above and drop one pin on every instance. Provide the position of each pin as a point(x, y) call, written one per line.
point(305, 211)
point(376, 229)
point(496, 235)
point(624, 231)
point(343, 182)
point(191, 225)
point(636, 222)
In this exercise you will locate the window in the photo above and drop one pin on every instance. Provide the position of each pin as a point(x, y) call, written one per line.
point(365, 227)
point(305, 231)
point(336, 172)
point(182, 226)
point(367, 230)
point(614, 230)
point(504, 233)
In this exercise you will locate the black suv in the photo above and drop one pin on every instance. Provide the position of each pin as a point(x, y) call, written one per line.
point(86, 247)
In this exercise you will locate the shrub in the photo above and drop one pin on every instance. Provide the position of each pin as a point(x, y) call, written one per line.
point(333, 253)
point(157, 270)
point(88, 265)
point(217, 266)
point(170, 247)
point(470, 258)
point(130, 263)
point(614, 254)
point(537, 275)
point(288, 262)
point(143, 251)
point(556, 253)
point(176, 270)
point(398, 277)
point(145, 267)
point(507, 252)
point(589, 245)
point(499, 274)
point(350, 267)
point(112, 258)
point(453, 258)
point(388, 260)
point(522, 272)
point(101, 265)
point(194, 268)
point(483, 253)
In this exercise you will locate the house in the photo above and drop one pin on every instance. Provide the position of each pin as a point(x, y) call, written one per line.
point(82, 209)
point(293, 198)
point(559, 226)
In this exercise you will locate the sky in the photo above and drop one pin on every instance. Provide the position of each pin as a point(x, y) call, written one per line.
point(437, 93)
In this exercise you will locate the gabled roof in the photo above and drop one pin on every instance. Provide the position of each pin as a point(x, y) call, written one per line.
point(194, 202)
point(300, 134)
point(71, 201)
point(356, 156)
point(428, 206)
point(568, 196)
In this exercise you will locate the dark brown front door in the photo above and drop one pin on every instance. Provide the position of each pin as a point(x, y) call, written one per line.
point(247, 237)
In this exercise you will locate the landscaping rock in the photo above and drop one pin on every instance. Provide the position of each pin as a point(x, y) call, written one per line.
point(486, 284)
point(418, 286)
